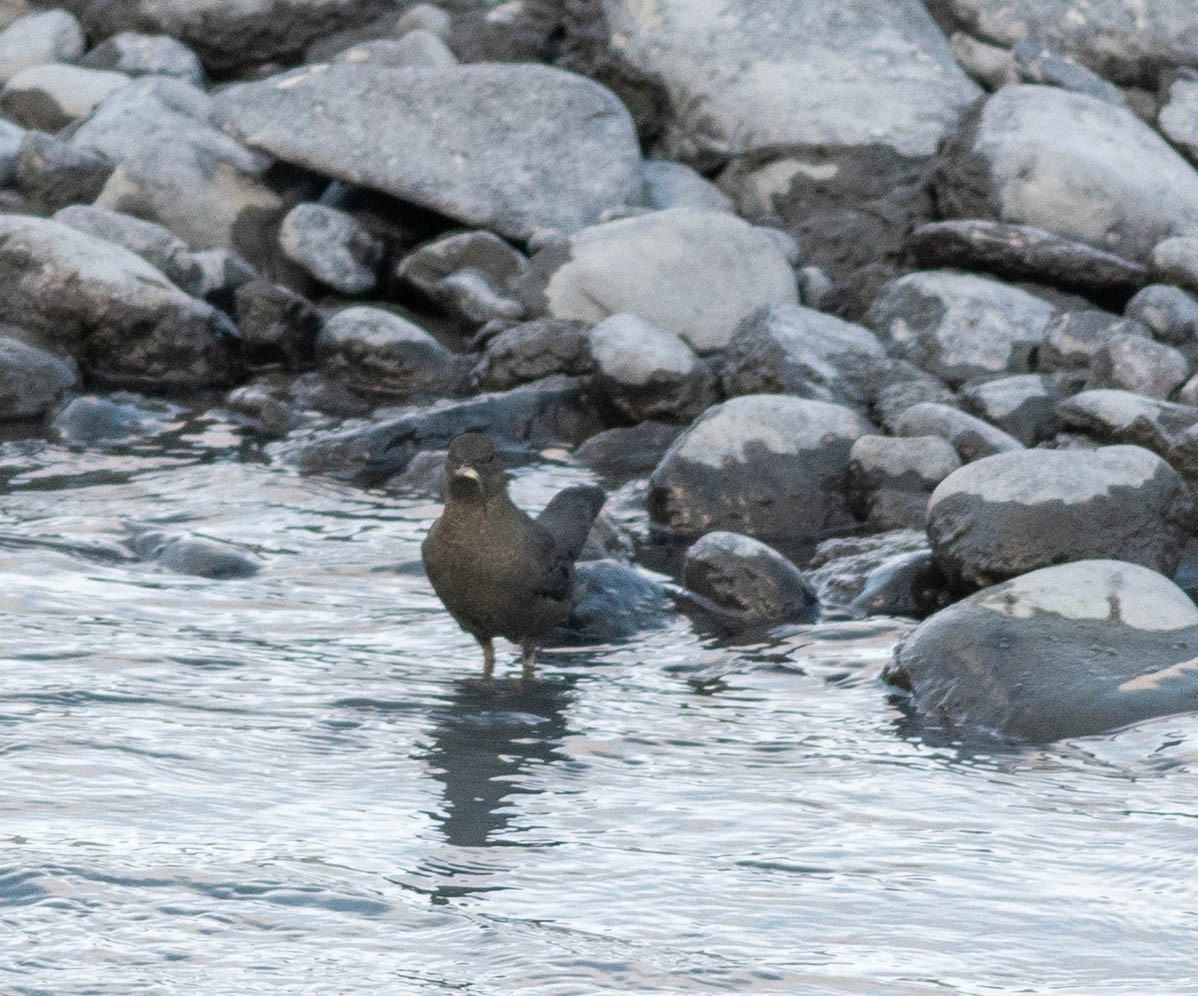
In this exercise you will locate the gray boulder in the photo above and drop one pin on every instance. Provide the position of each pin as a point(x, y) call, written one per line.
point(902, 385)
point(1073, 338)
point(475, 276)
point(890, 479)
point(1015, 512)
point(10, 146)
point(1134, 363)
point(1114, 416)
point(1067, 651)
point(627, 451)
point(1071, 164)
point(670, 185)
point(332, 247)
point(51, 96)
point(189, 554)
point(1038, 63)
point(1178, 118)
point(693, 273)
point(51, 173)
point(613, 601)
point(378, 352)
point(958, 326)
point(32, 380)
point(746, 583)
point(643, 372)
point(276, 324)
point(1022, 406)
point(52, 36)
point(118, 421)
point(137, 54)
point(121, 317)
point(1170, 314)
point(972, 438)
point(789, 349)
point(1175, 261)
point(767, 465)
point(513, 148)
point(532, 350)
point(418, 49)
point(857, 576)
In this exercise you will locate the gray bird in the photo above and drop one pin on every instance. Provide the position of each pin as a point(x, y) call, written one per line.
point(498, 571)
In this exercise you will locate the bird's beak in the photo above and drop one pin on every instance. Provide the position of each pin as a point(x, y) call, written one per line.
point(468, 472)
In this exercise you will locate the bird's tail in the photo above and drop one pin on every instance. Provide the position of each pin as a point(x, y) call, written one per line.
point(569, 516)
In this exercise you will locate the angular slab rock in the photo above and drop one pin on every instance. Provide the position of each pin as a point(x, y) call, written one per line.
point(958, 326)
point(1066, 651)
point(1022, 405)
point(754, 74)
point(693, 273)
point(1071, 164)
point(1073, 338)
point(767, 465)
point(121, 317)
point(52, 173)
point(1015, 512)
point(1114, 416)
point(972, 438)
point(513, 148)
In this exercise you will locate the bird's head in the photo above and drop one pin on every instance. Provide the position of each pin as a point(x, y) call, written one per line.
point(472, 468)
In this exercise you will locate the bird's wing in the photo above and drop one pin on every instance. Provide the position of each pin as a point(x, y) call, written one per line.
point(568, 517)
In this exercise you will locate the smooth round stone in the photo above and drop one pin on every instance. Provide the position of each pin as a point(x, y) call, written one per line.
point(890, 479)
point(971, 437)
point(31, 379)
point(332, 246)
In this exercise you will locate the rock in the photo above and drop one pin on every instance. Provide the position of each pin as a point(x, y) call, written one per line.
point(1178, 118)
point(332, 247)
point(642, 372)
point(890, 479)
point(1114, 416)
point(1170, 314)
point(53, 36)
point(11, 136)
point(425, 17)
point(475, 276)
point(759, 74)
point(902, 385)
point(1022, 406)
point(613, 601)
point(1067, 651)
point(513, 148)
point(1182, 456)
point(51, 96)
point(815, 286)
point(116, 421)
point(1121, 43)
point(1134, 363)
point(424, 474)
point(673, 185)
point(1020, 252)
point(1073, 338)
point(52, 173)
point(991, 65)
point(1037, 63)
point(957, 326)
point(32, 380)
point(1175, 261)
point(122, 318)
point(1016, 512)
point(377, 352)
point(175, 168)
point(154, 243)
point(693, 273)
point(844, 567)
point(627, 451)
point(418, 49)
point(789, 349)
point(746, 582)
point(230, 38)
point(314, 391)
point(195, 555)
point(1071, 164)
point(532, 350)
point(767, 465)
point(146, 55)
point(276, 324)
point(222, 271)
point(907, 584)
point(972, 438)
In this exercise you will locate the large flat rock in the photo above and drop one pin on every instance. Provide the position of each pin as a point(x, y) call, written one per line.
point(514, 148)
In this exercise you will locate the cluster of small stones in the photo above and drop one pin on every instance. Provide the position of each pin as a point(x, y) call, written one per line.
point(854, 315)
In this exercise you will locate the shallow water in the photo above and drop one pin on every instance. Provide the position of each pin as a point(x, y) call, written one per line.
point(289, 783)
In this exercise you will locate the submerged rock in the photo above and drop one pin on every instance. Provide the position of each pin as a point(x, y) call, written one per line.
point(613, 601)
point(32, 380)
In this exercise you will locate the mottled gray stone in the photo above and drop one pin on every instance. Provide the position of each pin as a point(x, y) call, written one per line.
point(1175, 261)
point(32, 380)
point(1037, 63)
point(52, 36)
point(10, 145)
point(669, 185)
point(900, 386)
point(972, 438)
point(1074, 338)
point(52, 173)
point(531, 350)
point(475, 276)
point(991, 65)
point(627, 451)
point(50, 96)
point(418, 49)
point(1114, 416)
point(1022, 405)
point(1178, 118)
point(891, 478)
point(513, 148)
point(1066, 651)
point(1170, 314)
point(276, 324)
point(1133, 363)
point(137, 54)
point(332, 247)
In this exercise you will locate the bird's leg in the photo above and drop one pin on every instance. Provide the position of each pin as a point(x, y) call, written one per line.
point(528, 660)
point(488, 657)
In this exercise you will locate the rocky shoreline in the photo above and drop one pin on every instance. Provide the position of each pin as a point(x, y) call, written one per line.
point(885, 311)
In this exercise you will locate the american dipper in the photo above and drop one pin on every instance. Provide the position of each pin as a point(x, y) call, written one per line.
point(498, 571)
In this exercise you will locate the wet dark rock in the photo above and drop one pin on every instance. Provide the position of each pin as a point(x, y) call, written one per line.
point(672, 185)
point(222, 272)
point(532, 350)
point(424, 474)
point(316, 392)
point(52, 36)
point(1170, 314)
point(51, 96)
point(958, 326)
point(195, 555)
point(146, 55)
point(642, 372)
point(32, 380)
point(767, 465)
point(613, 601)
point(564, 146)
point(157, 245)
point(747, 583)
point(175, 168)
point(1073, 338)
point(789, 349)
point(276, 324)
point(10, 145)
point(1016, 512)
point(890, 479)
point(1114, 416)
point(628, 451)
point(842, 569)
point(1134, 363)
point(1071, 164)
point(693, 273)
point(1022, 406)
point(122, 318)
point(1037, 63)
point(1020, 252)
point(1175, 261)
point(259, 408)
point(52, 173)
point(476, 276)
point(378, 352)
point(1066, 651)
point(332, 247)
point(970, 436)
point(906, 584)
point(117, 420)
